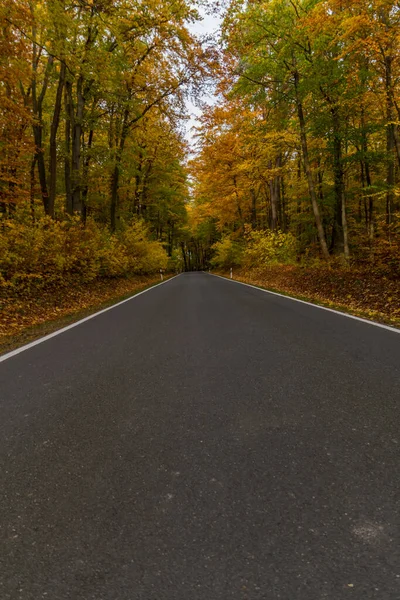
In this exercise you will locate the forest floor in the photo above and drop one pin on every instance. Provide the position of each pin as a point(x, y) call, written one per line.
point(26, 318)
point(362, 293)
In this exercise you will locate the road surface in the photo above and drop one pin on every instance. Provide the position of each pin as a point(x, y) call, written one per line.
point(204, 441)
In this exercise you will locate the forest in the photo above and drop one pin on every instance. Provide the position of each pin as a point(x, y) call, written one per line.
point(292, 178)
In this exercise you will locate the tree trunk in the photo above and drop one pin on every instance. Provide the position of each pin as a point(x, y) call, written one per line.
point(366, 171)
point(171, 239)
point(253, 208)
point(86, 165)
point(67, 160)
point(283, 202)
point(274, 211)
point(274, 198)
point(116, 172)
point(390, 140)
point(32, 190)
point(138, 186)
point(114, 194)
point(239, 208)
point(76, 147)
point(277, 184)
point(37, 108)
point(307, 168)
point(39, 150)
point(338, 234)
point(346, 248)
point(53, 141)
point(184, 255)
point(365, 166)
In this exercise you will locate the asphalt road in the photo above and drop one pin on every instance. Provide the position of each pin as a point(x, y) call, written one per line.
point(204, 441)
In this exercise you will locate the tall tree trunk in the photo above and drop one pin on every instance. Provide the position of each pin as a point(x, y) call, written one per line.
point(299, 227)
point(277, 184)
point(184, 255)
point(239, 207)
point(171, 239)
point(396, 142)
point(76, 147)
point(267, 219)
point(53, 141)
point(274, 210)
point(320, 180)
point(274, 197)
point(369, 210)
point(144, 191)
point(37, 109)
point(307, 168)
point(360, 215)
point(39, 150)
point(138, 186)
point(67, 158)
point(346, 248)
point(86, 165)
point(114, 194)
point(253, 208)
point(283, 203)
point(339, 234)
point(32, 188)
point(114, 216)
point(390, 140)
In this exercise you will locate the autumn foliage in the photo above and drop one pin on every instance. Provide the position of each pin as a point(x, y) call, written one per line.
point(55, 253)
point(305, 138)
point(297, 180)
point(93, 184)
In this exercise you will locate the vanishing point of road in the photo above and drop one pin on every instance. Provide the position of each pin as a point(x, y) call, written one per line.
point(203, 441)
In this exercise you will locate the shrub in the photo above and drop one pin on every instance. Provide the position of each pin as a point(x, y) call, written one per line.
point(114, 260)
point(144, 256)
point(268, 247)
point(175, 261)
point(53, 253)
point(227, 253)
point(48, 251)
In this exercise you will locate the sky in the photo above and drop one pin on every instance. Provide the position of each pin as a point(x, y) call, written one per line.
point(209, 25)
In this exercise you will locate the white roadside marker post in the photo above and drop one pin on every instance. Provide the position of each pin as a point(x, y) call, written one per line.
point(231, 273)
point(162, 276)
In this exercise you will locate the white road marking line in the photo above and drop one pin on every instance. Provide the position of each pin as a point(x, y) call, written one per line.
point(336, 312)
point(59, 331)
